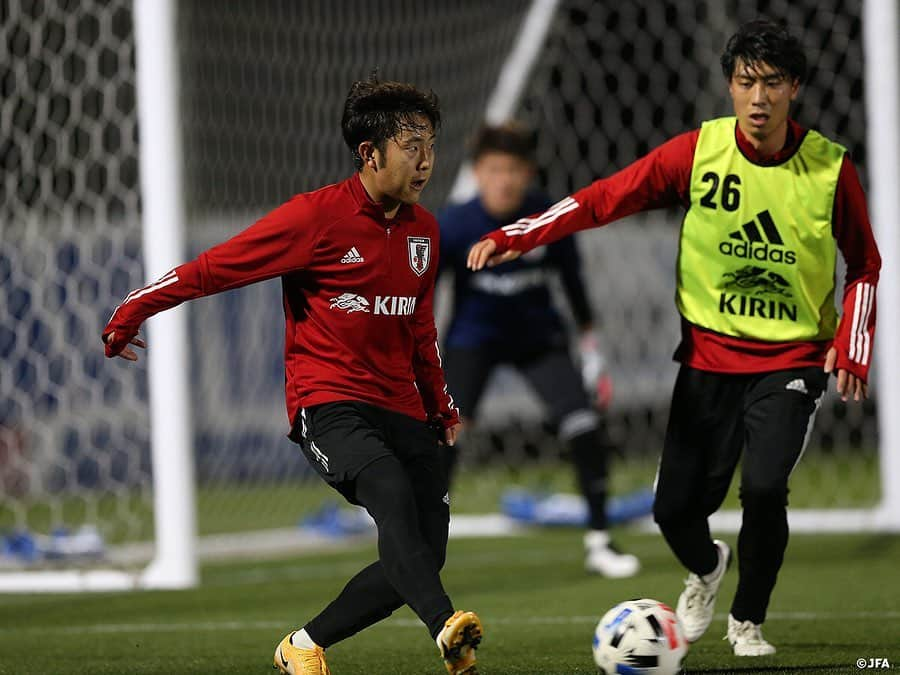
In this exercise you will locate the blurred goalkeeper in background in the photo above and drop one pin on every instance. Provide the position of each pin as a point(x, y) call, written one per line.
point(365, 392)
point(768, 204)
point(506, 316)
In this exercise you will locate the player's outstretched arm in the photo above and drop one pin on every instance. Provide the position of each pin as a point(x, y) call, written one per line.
point(483, 254)
point(173, 288)
point(658, 180)
point(281, 241)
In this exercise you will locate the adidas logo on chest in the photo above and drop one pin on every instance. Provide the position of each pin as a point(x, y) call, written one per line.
point(352, 256)
point(760, 240)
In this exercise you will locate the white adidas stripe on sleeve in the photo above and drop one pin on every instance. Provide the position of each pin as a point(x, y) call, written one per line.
point(526, 225)
point(166, 280)
point(860, 339)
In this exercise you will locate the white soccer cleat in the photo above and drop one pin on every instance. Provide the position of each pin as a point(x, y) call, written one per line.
point(698, 600)
point(604, 559)
point(746, 638)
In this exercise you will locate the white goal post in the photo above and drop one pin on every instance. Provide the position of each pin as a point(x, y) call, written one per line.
point(162, 227)
point(881, 23)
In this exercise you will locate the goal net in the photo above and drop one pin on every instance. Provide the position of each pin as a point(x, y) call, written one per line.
point(260, 96)
point(74, 453)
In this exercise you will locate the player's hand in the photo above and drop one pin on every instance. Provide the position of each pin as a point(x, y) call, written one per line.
point(847, 383)
point(125, 352)
point(482, 254)
point(594, 375)
point(450, 434)
point(592, 361)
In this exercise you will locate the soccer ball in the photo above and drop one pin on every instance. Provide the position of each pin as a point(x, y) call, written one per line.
point(639, 637)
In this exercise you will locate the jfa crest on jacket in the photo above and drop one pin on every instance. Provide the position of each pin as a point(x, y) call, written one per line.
point(358, 293)
point(419, 254)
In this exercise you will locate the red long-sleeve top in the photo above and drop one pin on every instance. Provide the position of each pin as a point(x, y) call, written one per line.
point(662, 179)
point(358, 299)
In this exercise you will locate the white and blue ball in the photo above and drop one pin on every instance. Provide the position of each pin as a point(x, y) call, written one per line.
point(639, 637)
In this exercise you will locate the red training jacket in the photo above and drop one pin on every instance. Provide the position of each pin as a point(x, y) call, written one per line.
point(358, 292)
point(662, 179)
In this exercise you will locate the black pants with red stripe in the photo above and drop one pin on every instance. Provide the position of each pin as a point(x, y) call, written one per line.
point(392, 465)
point(713, 418)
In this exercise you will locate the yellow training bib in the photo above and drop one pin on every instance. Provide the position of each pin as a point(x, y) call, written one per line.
point(757, 253)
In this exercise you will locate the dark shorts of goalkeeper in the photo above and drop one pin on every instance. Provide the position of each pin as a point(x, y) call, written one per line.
point(549, 370)
point(341, 439)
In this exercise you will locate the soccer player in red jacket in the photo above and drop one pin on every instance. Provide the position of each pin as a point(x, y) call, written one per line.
point(768, 205)
point(365, 392)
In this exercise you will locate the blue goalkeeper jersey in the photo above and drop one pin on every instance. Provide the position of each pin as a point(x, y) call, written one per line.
point(509, 305)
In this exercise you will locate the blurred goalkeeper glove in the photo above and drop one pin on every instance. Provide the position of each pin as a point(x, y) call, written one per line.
point(594, 374)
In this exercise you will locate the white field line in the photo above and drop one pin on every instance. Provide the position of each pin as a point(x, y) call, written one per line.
point(212, 626)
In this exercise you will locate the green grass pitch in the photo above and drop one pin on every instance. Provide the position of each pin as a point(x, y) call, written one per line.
point(838, 600)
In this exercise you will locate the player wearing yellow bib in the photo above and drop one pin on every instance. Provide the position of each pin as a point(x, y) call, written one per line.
point(768, 205)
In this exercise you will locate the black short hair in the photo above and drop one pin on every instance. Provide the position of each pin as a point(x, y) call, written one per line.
point(765, 41)
point(511, 138)
point(377, 111)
